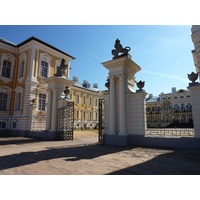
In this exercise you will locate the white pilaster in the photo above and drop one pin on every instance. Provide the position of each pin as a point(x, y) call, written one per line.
point(122, 105)
point(49, 106)
point(112, 106)
point(31, 67)
point(54, 110)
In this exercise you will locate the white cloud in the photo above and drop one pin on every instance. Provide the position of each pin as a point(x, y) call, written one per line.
point(167, 75)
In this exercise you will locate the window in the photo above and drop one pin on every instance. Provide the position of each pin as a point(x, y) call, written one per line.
point(42, 102)
point(77, 114)
point(90, 101)
point(3, 101)
point(188, 96)
point(84, 100)
point(182, 97)
point(182, 107)
point(6, 69)
point(84, 115)
point(90, 115)
point(14, 124)
point(44, 69)
point(18, 101)
point(96, 102)
point(176, 107)
point(189, 107)
point(2, 124)
point(21, 70)
point(96, 115)
point(175, 98)
point(77, 98)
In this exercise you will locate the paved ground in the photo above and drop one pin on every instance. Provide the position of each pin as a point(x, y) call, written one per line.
point(19, 155)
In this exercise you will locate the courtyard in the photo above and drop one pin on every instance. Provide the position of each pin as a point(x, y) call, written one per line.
point(84, 156)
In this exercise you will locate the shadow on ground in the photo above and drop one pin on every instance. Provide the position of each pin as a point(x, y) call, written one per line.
point(178, 162)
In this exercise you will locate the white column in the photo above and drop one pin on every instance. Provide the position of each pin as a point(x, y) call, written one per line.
point(49, 107)
point(54, 110)
point(122, 105)
point(112, 106)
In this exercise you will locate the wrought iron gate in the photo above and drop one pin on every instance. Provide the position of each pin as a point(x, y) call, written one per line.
point(65, 123)
point(169, 121)
point(101, 120)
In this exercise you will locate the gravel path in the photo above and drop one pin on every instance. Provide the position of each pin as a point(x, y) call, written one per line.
point(21, 156)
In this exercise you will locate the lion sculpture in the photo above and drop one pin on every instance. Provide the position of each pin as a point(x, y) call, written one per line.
point(119, 49)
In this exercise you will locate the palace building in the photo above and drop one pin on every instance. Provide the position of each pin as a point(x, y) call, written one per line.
point(178, 108)
point(23, 69)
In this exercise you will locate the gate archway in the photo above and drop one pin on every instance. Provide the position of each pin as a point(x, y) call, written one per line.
point(65, 122)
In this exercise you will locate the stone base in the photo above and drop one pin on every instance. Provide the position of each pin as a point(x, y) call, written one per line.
point(139, 140)
point(47, 135)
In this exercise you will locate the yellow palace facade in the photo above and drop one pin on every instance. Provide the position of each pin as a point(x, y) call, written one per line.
point(23, 69)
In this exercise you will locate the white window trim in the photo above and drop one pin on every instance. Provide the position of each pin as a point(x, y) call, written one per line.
point(44, 57)
point(22, 57)
point(84, 95)
point(78, 117)
point(90, 115)
point(8, 91)
point(10, 58)
point(41, 91)
point(84, 111)
point(91, 104)
point(78, 93)
point(2, 120)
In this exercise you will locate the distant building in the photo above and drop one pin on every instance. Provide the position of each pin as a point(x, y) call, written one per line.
point(179, 103)
point(23, 68)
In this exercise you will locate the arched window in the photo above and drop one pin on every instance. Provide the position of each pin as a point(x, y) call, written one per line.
point(42, 102)
point(3, 101)
point(6, 70)
point(44, 69)
point(176, 107)
point(189, 107)
point(182, 107)
point(175, 98)
point(181, 97)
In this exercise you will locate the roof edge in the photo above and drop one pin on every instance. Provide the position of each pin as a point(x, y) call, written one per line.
point(38, 40)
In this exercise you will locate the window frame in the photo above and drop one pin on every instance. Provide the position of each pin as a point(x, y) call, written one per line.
point(9, 57)
point(3, 101)
point(42, 102)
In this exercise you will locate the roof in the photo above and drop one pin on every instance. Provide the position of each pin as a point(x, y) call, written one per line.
point(7, 42)
point(92, 89)
point(153, 99)
point(36, 39)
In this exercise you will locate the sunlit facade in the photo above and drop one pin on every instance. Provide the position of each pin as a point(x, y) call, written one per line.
point(23, 69)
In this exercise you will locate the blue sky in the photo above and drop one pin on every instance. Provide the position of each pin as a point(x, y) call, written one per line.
point(162, 51)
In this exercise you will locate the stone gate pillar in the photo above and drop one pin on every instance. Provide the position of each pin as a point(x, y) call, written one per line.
point(123, 105)
point(56, 86)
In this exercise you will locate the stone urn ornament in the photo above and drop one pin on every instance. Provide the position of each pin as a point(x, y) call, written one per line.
point(66, 91)
point(107, 84)
point(193, 77)
point(140, 85)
